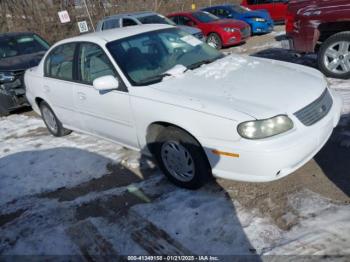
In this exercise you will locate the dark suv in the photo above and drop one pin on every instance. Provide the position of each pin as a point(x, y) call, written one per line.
point(18, 52)
point(321, 27)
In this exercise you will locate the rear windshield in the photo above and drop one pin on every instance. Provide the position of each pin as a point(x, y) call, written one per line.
point(205, 17)
point(21, 45)
point(155, 19)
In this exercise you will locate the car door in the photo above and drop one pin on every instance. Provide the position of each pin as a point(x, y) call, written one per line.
point(58, 82)
point(106, 114)
point(262, 4)
point(280, 9)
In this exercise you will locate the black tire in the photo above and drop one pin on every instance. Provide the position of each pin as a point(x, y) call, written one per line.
point(322, 58)
point(218, 41)
point(202, 169)
point(60, 130)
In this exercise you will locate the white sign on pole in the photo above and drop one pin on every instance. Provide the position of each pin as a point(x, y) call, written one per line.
point(64, 16)
point(83, 27)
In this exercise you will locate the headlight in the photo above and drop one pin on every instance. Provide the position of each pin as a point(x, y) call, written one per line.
point(258, 19)
point(259, 129)
point(6, 77)
point(230, 30)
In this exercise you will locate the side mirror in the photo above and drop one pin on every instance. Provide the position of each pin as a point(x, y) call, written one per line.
point(106, 83)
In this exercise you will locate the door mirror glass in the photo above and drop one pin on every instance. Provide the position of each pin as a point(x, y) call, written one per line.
point(106, 83)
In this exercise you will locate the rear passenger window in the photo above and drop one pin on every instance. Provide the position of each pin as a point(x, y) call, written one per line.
point(128, 22)
point(93, 63)
point(252, 2)
point(111, 23)
point(59, 63)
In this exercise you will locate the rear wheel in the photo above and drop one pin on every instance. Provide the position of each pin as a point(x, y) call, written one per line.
point(334, 56)
point(52, 123)
point(214, 40)
point(181, 158)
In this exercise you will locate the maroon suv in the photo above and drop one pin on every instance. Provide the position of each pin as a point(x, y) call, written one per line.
point(322, 27)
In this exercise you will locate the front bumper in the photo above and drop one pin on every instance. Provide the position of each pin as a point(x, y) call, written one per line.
point(262, 27)
point(276, 157)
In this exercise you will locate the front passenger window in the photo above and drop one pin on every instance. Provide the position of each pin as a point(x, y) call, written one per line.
point(93, 63)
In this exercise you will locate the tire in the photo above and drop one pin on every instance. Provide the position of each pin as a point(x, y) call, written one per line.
point(190, 156)
point(52, 123)
point(334, 57)
point(214, 40)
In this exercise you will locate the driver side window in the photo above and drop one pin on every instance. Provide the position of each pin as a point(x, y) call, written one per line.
point(93, 63)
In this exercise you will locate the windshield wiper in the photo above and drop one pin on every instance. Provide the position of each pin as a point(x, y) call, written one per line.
point(203, 62)
point(153, 79)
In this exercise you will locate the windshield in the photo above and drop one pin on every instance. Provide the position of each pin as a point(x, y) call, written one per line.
point(205, 17)
point(239, 9)
point(156, 19)
point(146, 58)
point(21, 45)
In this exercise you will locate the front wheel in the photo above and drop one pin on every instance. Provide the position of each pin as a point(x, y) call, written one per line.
point(181, 158)
point(52, 123)
point(214, 40)
point(334, 56)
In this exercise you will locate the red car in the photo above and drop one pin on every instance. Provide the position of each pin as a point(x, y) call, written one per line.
point(276, 8)
point(219, 32)
point(321, 27)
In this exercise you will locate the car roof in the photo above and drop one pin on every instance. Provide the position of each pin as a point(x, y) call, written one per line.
point(13, 34)
point(133, 14)
point(115, 34)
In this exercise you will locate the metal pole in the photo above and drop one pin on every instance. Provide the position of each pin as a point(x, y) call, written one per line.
point(87, 10)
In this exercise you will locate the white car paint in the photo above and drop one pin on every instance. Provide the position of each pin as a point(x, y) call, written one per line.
point(208, 102)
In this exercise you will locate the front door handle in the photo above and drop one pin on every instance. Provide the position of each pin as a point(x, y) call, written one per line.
point(81, 96)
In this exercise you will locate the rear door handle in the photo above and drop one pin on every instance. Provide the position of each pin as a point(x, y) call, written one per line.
point(81, 96)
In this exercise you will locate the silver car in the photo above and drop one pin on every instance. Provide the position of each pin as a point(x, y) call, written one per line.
point(138, 18)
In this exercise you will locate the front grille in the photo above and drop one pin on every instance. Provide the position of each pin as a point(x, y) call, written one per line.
point(245, 32)
point(315, 111)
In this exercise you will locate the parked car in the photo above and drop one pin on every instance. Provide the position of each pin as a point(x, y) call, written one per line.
point(321, 27)
point(259, 21)
point(138, 18)
point(18, 52)
point(276, 8)
point(158, 89)
point(219, 32)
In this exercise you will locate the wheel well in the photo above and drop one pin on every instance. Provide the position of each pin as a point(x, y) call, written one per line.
point(328, 29)
point(156, 128)
point(38, 100)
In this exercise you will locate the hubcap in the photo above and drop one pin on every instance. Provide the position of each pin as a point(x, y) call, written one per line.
point(337, 57)
point(213, 42)
point(178, 161)
point(50, 119)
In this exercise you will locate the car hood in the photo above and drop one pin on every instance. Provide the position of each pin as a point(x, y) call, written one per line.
point(251, 14)
point(21, 62)
point(230, 23)
point(257, 87)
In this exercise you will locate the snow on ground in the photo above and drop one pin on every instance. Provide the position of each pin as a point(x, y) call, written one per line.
point(27, 152)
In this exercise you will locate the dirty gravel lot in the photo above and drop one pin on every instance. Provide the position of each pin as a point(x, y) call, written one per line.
point(79, 195)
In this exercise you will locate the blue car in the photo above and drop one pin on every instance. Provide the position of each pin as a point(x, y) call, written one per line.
point(259, 21)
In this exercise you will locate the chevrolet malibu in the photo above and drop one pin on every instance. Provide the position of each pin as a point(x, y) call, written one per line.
point(160, 90)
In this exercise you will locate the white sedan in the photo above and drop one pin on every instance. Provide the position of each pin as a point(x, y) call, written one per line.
point(157, 89)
